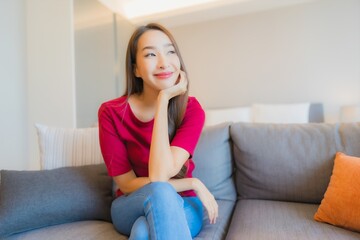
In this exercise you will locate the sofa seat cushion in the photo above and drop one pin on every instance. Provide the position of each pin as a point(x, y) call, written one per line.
point(84, 230)
point(277, 220)
point(217, 231)
point(93, 230)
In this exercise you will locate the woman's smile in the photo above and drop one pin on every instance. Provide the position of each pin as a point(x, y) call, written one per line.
point(163, 75)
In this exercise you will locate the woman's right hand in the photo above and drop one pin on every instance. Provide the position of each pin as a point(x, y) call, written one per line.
point(207, 200)
point(179, 88)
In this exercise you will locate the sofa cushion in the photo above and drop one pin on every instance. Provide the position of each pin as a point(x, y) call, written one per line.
point(281, 113)
point(218, 230)
point(349, 134)
point(277, 220)
point(222, 115)
point(213, 162)
point(35, 199)
point(83, 230)
point(65, 147)
point(290, 162)
point(341, 203)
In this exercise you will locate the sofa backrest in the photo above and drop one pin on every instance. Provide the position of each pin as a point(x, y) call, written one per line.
point(213, 162)
point(290, 162)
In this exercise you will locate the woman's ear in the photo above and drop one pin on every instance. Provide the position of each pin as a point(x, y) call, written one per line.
point(136, 72)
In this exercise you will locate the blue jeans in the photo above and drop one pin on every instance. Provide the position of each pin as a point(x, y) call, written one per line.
point(157, 211)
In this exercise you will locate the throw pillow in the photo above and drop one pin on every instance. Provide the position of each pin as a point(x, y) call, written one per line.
point(341, 204)
point(35, 199)
point(281, 113)
point(62, 147)
point(236, 114)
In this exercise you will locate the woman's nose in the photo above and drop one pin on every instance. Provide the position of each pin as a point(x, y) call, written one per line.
point(163, 62)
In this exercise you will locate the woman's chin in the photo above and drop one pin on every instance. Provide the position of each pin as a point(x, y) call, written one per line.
point(165, 84)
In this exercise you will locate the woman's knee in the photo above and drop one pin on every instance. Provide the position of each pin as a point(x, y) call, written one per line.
point(163, 192)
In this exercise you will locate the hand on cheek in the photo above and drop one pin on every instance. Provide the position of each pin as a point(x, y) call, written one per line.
point(179, 88)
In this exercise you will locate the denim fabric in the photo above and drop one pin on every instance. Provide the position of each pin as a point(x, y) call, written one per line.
point(157, 211)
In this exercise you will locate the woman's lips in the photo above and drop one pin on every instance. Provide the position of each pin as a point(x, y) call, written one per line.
point(163, 75)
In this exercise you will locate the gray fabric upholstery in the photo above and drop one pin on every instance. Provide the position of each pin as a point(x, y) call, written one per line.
point(276, 220)
point(84, 230)
point(34, 199)
point(219, 230)
point(316, 113)
point(213, 162)
point(92, 230)
point(290, 162)
point(350, 138)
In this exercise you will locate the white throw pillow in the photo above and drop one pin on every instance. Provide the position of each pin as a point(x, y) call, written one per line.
point(281, 113)
point(238, 114)
point(62, 147)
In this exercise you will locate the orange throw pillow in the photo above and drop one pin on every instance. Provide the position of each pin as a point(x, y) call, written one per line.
point(341, 203)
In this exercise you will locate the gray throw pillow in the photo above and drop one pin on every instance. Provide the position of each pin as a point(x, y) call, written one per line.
point(35, 199)
point(213, 162)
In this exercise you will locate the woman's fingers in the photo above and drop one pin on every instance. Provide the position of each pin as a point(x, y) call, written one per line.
point(208, 201)
point(183, 82)
point(212, 209)
point(215, 209)
point(179, 88)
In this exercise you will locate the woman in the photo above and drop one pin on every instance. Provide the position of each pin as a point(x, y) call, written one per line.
point(147, 139)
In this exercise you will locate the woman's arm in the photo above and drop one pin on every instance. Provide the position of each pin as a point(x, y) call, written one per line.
point(202, 192)
point(165, 161)
point(129, 183)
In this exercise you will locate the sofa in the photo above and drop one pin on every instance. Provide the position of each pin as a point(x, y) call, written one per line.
point(268, 180)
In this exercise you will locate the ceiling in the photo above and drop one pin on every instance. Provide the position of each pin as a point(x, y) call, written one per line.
point(213, 10)
point(89, 12)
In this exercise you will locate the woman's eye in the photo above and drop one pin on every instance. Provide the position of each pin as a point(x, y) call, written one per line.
point(150, 55)
point(172, 52)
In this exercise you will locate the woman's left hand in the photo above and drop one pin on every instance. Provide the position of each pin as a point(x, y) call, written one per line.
point(179, 88)
point(207, 199)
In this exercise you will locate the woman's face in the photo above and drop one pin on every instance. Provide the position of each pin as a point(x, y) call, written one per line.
point(157, 62)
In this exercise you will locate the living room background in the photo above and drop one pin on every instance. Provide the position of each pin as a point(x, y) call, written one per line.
point(309, 52)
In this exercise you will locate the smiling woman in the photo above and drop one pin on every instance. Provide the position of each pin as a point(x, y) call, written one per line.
point(148, 137)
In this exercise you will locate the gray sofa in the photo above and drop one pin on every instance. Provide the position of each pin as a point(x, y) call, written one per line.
point(268, 179)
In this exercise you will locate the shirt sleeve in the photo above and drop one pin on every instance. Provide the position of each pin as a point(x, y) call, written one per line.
point(112, 146)
point(188, 134)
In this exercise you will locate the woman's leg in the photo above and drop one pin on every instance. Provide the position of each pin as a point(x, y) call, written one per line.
point(162, 207)
point(140, 230)
point(194, 214)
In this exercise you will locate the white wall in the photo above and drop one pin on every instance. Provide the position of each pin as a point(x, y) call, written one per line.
point(13, 123)
point(100, 46)
point(307, 52)
point(94, 55)
point(124, 31)
point(50, 64)
point(38, 75)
